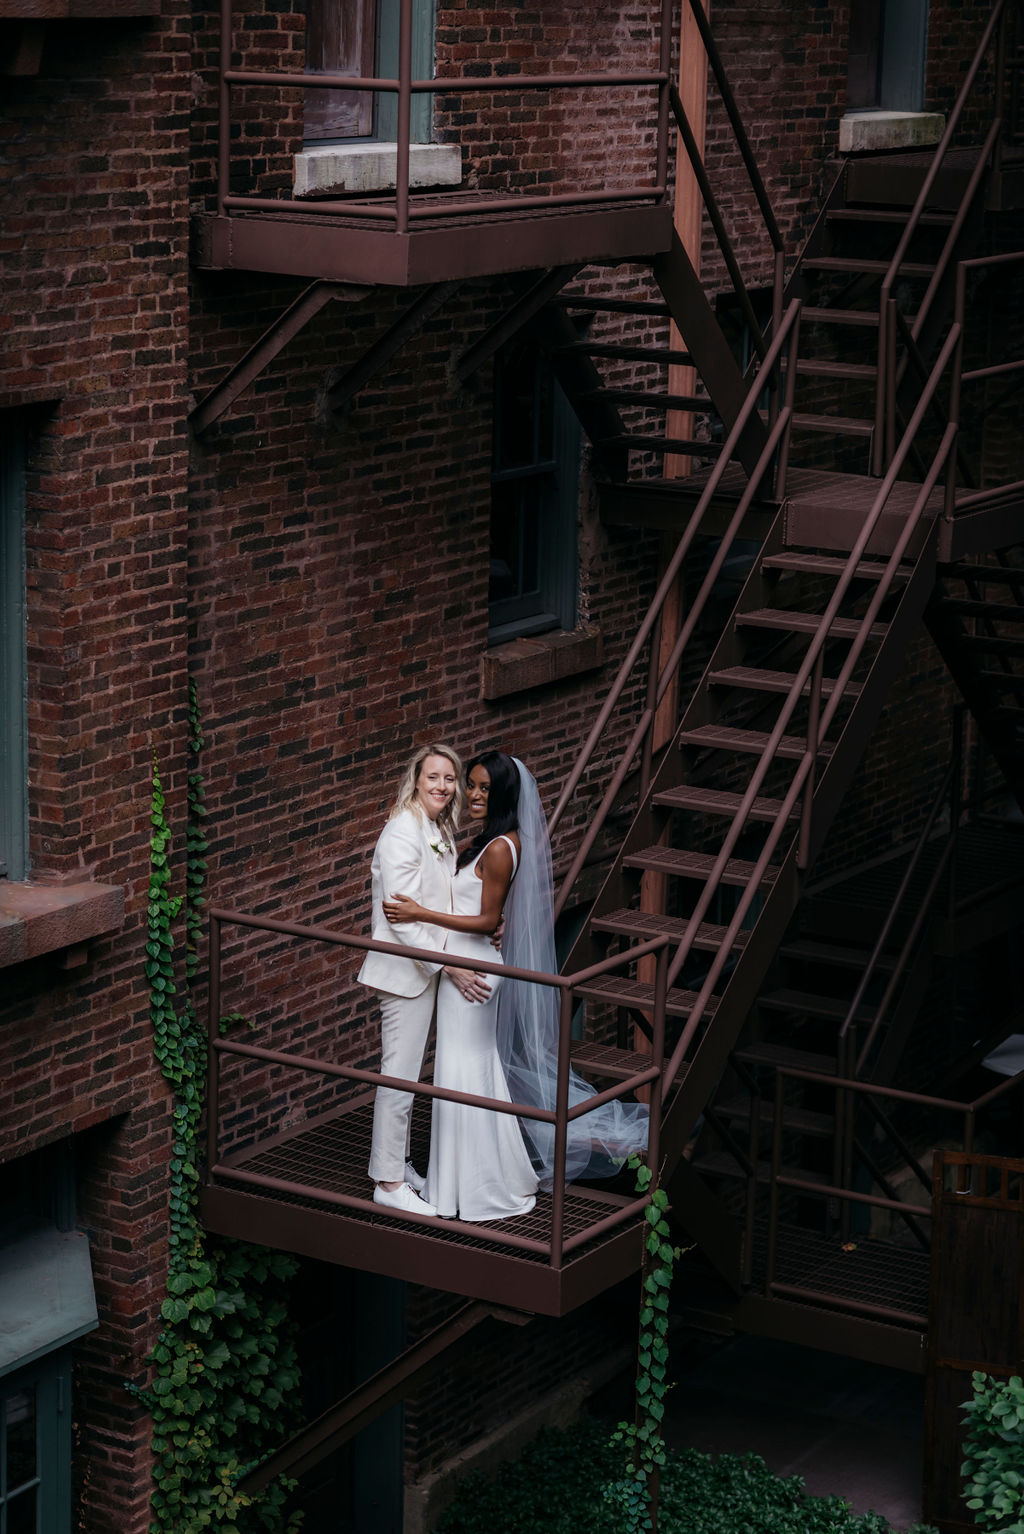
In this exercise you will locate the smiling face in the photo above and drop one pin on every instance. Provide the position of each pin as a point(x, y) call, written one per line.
point(478, 787)
point(435, 785)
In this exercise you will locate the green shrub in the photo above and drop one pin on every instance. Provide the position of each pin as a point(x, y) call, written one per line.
point(556, 1487)
point(993, 1470)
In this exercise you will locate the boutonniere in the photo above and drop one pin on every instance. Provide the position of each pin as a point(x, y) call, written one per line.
point(440, 847)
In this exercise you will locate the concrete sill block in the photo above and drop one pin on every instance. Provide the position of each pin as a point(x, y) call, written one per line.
point(38, 918)
point(865, 131)
point(334, 168)
point(526, 663)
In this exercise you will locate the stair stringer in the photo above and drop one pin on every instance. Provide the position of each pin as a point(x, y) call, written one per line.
point(948, 632)
point(712, 357)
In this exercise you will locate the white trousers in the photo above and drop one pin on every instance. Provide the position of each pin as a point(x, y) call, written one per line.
point(404, 1030)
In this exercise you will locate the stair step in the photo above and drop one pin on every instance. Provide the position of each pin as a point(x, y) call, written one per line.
point(996, 644)
point(813, 368)
point(775, 681)
point(968, 607)
point(805, 623)
point(720, 737)
point(1014, 679)
point(685, 446)
point(811, 951)
point(827, 316)
point(685, 864)
point(648, 399)
point(829, 1008)
point(989, 575)
point(722, 1164)
point(859, 267)
point(886, 216)
point(645, 924)
point(608, 1062)
point(718, 801)
point(801, 1120)
point(828, 564)
point(843, 425)
point(611, 305)
point(618, 991)
point(654, 354)
point(761, 1052)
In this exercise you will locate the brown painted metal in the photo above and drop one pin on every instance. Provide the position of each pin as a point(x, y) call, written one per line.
point(277, 335)
point(344, 249)
point(369, 1400)
point(373, 361)
point(525, 307)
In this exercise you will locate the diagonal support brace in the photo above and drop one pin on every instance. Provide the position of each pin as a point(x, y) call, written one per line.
point(287, 325)
point(493, 339)
point(411, 320)
point(370, 1400)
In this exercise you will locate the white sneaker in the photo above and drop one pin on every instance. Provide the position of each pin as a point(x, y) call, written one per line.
point(413, 1178)
point(402, 1198)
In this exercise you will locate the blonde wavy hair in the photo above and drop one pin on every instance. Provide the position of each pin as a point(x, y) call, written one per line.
point(448, 819)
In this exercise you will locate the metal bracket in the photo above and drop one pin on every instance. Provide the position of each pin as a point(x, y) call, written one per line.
point(540, 293)
point(295, 318)
point(412, 319)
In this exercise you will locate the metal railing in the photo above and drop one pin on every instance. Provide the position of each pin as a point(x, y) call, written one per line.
point(648, 636)
point(561, 1117)
point(890, 371)
point(780, 1179)
point(1012, 368)
point(399, 213)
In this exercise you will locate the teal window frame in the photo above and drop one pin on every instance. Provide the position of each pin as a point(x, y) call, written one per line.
point(13, 672)
point(48, 1383)
point(421, 119)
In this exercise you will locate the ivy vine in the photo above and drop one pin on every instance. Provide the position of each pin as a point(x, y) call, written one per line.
point(634, 1494)
point(224, 1368)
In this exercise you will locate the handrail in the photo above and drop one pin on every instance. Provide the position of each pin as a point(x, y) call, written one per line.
point(665, 587)
point(886, 380)
point(800, 680)
point(560, 1117)
point(894, 908)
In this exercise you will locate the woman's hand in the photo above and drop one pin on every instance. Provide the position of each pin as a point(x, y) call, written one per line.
point(470, 983)
point(402, 908)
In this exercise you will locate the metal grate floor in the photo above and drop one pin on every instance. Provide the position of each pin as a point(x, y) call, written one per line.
point(863, 1272)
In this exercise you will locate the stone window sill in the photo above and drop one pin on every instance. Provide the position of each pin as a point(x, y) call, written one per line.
point(329, 169)
point(38, 917)
point(525, 663)
point(860, 132)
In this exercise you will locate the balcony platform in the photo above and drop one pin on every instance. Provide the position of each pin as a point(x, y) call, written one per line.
point(449, 239)
point(284, 1193)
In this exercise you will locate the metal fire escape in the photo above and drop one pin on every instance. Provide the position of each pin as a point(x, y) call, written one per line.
point(840, 477)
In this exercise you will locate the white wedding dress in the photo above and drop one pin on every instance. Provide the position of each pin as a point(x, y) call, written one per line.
point(479, 1166)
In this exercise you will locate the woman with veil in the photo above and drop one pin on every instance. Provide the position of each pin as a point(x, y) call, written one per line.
point(486, 1165)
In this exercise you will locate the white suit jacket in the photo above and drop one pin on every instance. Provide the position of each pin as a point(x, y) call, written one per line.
point(404, 863)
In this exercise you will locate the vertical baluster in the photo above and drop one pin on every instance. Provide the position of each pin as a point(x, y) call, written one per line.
point(224, 109)
point(404, 116)
point(561, 1125)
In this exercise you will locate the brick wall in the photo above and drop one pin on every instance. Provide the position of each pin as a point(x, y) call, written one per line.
point(93, 227)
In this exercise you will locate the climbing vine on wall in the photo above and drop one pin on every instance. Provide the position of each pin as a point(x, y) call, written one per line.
point(224, 1369)
point(642, 1439)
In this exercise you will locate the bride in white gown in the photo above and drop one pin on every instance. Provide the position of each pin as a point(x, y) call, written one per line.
point(486, 1165)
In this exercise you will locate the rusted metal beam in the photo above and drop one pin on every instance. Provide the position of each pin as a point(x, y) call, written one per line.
point(493, 339)
point(413, 318)
point(295, 318)
point(369, 1400)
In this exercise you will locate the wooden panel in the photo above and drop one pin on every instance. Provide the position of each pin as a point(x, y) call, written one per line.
point(976, 1318)
point(340, 40)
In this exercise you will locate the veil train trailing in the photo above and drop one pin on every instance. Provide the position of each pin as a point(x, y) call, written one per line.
point(528, 1020)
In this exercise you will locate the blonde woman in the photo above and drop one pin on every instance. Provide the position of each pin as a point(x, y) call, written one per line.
point(414, 856)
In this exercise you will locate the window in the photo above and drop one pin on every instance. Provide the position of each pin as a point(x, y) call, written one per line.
point(13, 719)
point(534, 495)
point(35, 1447)
point(887, 55)
point(361, 39)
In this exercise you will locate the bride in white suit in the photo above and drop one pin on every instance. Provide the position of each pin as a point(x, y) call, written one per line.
point(414, 856)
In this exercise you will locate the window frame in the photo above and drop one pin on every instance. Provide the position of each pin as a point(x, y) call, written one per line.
point(13, 647)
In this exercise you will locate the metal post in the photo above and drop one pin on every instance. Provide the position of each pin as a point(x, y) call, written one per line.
point(955, 804)
point(659, 1087)
point(212, 1058)
point(773, 1186)
point(803, 855)
point(653, 678)
point(664, 64)
point(224, 109)
point(561, 1126)
point(404, 116)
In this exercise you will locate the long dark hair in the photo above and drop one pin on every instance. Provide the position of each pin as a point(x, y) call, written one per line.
point(502, 801)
